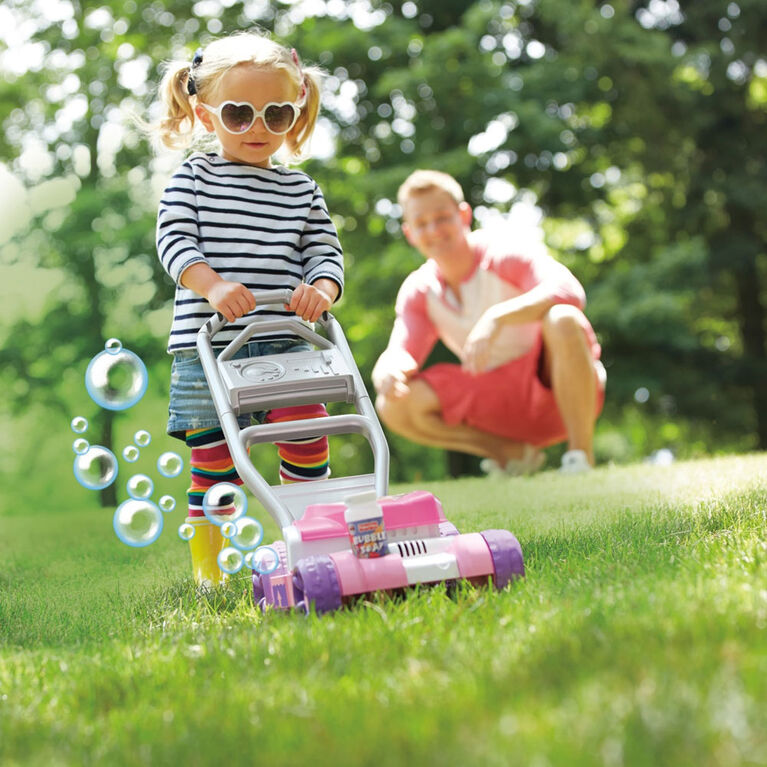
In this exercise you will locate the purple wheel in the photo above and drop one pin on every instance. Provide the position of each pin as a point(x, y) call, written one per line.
point(507, 556)
point(315, 582)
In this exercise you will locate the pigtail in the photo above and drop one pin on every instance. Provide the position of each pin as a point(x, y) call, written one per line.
point(183, 83)
point(176, 128)
point(301, 132)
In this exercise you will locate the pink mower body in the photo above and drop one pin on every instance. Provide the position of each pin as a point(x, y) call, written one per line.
point(318, 568)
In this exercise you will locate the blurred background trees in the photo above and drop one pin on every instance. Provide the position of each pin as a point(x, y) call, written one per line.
point(631, 133)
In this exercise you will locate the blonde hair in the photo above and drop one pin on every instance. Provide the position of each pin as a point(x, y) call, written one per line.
point(176, 129)
point(420, 181)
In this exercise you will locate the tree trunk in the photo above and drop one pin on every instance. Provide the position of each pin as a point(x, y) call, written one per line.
point(751, 319)
point(107, 496)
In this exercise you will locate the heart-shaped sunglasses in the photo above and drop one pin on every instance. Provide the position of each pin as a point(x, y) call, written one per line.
point(240, 116)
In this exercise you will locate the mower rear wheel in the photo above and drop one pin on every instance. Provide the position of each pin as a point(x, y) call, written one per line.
point(506, 554)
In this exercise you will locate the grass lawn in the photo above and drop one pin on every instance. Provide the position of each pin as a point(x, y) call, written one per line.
point(638, 638)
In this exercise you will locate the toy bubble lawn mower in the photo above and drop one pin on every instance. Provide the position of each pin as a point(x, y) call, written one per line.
point(342, 537)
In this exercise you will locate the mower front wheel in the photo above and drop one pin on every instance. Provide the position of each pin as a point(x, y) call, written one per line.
point(315, 582)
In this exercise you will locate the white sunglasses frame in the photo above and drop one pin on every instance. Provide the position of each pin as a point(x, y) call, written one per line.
point(256, 114)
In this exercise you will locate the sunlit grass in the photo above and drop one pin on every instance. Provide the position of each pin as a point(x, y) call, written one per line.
point(637, 638)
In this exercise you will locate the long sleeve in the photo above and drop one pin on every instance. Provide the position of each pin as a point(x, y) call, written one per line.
point(413, 330)
point(535, 269)
point(319, 246)
point(178, 233)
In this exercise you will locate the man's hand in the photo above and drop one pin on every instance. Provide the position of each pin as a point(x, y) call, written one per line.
point(310, 301)
point(232, 299)
point(393, 372)
point(476, 355)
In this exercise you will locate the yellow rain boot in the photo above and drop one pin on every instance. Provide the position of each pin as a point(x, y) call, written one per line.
point(204, 547)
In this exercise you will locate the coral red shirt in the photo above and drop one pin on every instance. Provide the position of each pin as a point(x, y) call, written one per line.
point(428, 309)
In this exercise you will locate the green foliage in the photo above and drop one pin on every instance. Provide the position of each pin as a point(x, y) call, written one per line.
point(638, 129)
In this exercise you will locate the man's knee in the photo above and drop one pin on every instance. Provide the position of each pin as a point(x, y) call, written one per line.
point(404, 411)
point(563, 324)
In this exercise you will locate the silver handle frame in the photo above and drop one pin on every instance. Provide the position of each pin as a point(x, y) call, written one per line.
point(365, 422)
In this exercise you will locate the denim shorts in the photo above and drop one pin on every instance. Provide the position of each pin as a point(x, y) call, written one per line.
point(191, 406)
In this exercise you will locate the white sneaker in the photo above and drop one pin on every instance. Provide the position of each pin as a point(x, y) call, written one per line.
point(532, 459)
point(575, 462)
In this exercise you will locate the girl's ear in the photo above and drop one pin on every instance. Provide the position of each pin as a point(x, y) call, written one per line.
point(204, 117)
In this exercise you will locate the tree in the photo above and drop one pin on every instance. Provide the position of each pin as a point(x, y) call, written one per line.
point(645, 120)
point(92, 68)
point(636, 127)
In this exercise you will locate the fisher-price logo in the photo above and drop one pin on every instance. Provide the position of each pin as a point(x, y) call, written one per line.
point(370, 526)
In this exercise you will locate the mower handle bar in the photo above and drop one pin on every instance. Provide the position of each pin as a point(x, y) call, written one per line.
point(281, 296)
point(366, 422)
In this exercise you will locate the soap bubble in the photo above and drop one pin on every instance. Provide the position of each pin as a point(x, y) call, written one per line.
point(79, 424)
point(186, 531)
point(170, 464)
point(228, 529)
point(249, 534)
point(140, 487)
point(167, 503)
point(96, 468)
point(230, 560)
point(131, 453)
point(116, 380)
point(137, 522)
point(113, 345)
point(264, 560)
point(80, 446)
point(142, 437)
point(224, 502)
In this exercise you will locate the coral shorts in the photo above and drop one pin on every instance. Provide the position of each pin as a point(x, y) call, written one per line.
point(510, 401)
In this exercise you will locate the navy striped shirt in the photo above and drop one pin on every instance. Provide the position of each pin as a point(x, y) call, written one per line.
point(267, 228)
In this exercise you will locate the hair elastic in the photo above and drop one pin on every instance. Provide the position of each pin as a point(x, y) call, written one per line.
point(294, 56)
point(191, 86)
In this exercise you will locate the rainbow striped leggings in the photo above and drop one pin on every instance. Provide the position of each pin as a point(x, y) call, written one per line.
point(301, 460)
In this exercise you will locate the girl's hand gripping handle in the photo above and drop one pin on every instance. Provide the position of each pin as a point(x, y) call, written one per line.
point(231, 299)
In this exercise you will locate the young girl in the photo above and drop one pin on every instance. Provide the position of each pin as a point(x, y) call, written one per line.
point(231, 222)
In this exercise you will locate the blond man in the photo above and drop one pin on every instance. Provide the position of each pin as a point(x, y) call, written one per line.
point(529, 373)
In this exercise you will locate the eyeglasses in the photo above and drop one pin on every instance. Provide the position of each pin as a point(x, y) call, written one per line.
point(240, 116)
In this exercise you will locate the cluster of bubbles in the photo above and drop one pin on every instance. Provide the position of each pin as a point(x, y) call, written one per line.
point(263, 560)
point(226, 505)
point(96, 466)
point(141, 438)
point(116, 379)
